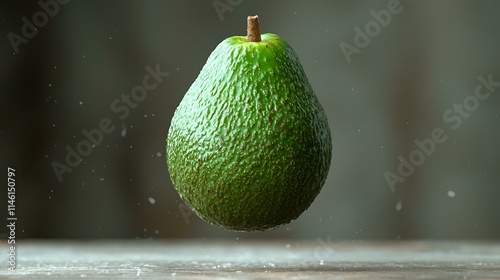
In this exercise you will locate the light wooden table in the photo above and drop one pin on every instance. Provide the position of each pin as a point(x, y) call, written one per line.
point(316, 259)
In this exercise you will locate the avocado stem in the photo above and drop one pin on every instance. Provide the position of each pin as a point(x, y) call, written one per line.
point(253, 30)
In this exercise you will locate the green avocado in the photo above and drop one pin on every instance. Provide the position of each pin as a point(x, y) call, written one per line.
point(249, 146)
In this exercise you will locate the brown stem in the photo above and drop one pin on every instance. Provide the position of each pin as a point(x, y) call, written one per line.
point(253, 31)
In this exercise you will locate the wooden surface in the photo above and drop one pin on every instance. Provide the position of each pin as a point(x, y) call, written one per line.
point(316, 259)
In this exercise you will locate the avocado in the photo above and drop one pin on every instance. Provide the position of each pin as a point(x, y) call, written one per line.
point(249, 146)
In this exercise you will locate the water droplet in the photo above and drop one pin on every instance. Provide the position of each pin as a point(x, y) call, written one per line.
point(151, 200)
point(145, 115)
point(152, 115)
point(399, 205)
point(50, 85)
point(83, 56)
point(157, 231)
point(53, 125)
point(131, 146)
point(101, 179)
point(451, 194)
point(123, 133)
point(81, 103)
point(158, 154)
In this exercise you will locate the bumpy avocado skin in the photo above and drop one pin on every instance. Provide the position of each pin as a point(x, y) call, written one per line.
point(249, 146)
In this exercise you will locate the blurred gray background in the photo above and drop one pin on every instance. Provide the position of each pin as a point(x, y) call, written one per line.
point(395, 89)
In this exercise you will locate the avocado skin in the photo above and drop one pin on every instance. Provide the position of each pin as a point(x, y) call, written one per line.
point(249, 146)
